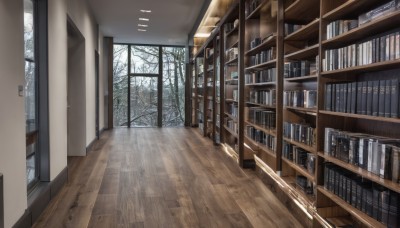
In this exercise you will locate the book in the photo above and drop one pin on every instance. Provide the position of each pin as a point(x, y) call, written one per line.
point(394, 98)
point(375, 98)
point(381, 98)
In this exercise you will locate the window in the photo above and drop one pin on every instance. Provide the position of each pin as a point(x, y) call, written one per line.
point(36, 100)
point(31, 96)
point(156, 95)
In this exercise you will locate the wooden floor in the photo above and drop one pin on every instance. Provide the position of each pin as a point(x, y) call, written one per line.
point(169, 177)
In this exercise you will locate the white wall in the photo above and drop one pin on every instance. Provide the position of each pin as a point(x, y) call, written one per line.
point(58, 38)
point(12, 114)
point(81, 15)
point(12, 119)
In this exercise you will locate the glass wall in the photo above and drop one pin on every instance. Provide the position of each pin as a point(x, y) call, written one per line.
point(120, 86)
point(173, 107)
point(138, 105)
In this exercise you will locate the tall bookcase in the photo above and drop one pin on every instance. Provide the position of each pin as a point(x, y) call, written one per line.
point(310, 89)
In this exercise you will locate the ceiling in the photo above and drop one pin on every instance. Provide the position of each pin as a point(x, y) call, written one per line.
point(169, 23)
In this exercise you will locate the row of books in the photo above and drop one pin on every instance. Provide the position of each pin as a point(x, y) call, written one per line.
point(228, 27)
point(379, 11)
point(302, 133)
point(374, 98)
point(300, 98)
point(233, 110)
point(251, 6)
point(336, 28)
point(262, 117)
point(268, 75)
point(234, 75)
point(305, 184)
point(235, 95)
point(263, 56)
point(378, 155)
point(299, 156)
point(376, 201)
point(231, 54)
point(299, 68)
point(255, 42)
point(261, 137)
point(263, 97)
point(231, 124)
point(380, 49)
point(291, 28)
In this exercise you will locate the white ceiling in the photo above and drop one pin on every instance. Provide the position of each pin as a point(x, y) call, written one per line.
point(170, 20)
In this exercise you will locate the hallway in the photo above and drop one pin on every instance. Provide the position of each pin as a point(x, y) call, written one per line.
point(168, 177)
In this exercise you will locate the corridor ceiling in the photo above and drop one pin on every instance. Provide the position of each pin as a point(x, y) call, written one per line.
point(170, 21)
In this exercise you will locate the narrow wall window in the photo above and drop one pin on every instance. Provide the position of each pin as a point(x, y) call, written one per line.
point(31, 95)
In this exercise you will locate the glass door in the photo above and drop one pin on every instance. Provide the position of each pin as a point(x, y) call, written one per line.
point(144, 101)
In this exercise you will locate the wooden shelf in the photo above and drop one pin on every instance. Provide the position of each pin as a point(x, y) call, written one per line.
point(261, 147)
point(230, 101)
point(309, 111)
point(232, 81)
point(303, 78)
point(301, 145)
point(232, 61)
point(379, 25)
point(359, 215)
point(302, 11)
point(362, 172)
point(291, 181)
point(358, 116)
point(271, 63)
point(234, 134)
point(258, 127)
point(307, 32)
point(261, 105)
point(270, 42)
point(262, 84)
point(234, 45)
point(386, 65)
point(256, 11)
point(230, 116)
point(299, 169)
point(349, 8)
point(234, 30)
point(305, 53)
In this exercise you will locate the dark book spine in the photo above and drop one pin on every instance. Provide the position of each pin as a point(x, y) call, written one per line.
point(369, 97)
point(359, 97)
point(353, 97)
point(328, 97)
point(394, 99)
point(388, 95)
point(393, 220)
point(348, 96)
point(385, 198)
point(381, 103)
point(375, 98)
point(364, 95)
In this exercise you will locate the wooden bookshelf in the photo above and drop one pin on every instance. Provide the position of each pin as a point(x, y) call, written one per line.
point(303, 53)
point(310, 30)
point(309, 43)
point(359, 215)
point(302, 78)
point(379, 25)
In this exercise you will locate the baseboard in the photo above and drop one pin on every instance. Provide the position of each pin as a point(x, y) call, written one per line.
point(40, 198)
point(290, 204)
point(91, 144)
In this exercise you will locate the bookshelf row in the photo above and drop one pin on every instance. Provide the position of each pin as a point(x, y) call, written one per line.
point(310, 89)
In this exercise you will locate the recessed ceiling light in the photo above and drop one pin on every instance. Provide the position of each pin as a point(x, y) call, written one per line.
point(143, 19)
point(142, 30)
point(145, 11)
point(144, 26)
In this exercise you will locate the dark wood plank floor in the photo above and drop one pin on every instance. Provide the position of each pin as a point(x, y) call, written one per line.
point(169, 177)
